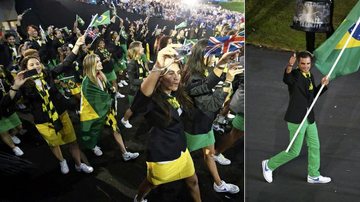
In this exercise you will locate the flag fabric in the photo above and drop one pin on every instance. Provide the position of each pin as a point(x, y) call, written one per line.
point(220, 45)
point(104, 19)
point(80, 20)
point(181, 25)
point(191, 42)
point(328, 52)
point(92, 34)
point(94, 108)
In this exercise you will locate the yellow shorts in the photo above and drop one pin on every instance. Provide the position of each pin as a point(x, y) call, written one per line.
point(64, 136)
point(75, 90)
point(161, 173)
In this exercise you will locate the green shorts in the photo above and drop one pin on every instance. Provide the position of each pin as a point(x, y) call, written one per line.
point(238, 122)
point(7, 123)
point(199, 141)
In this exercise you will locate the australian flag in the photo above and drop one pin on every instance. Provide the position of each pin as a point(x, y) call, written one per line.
point(220, 45)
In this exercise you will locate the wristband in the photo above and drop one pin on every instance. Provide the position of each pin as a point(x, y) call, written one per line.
point(226, 84)
point(11, 88)
point(156, 69)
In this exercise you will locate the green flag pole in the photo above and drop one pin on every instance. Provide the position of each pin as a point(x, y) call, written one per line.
point(322, 86)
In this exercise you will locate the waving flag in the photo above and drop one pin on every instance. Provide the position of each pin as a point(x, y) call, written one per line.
point(328, 52)
point(103, 19)
point(221, 45)
point(181, 25)
point(92, 34)
point(80, 20)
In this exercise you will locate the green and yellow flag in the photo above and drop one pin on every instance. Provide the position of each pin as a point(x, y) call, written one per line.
point(181, 25)
point(95, 106)
point(328, 52)
point(80, 20)
point(104, 19)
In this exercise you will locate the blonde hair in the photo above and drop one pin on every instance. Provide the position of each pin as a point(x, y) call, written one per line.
point(132, 53)
point(89, 64)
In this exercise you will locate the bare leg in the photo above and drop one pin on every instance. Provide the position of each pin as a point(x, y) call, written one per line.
point(114, 84)
point(119, 141)
point(225, 110)
point(57, 152)
point(75, 152)
point(208, 152)
point(5, 137)
point(192, 183)
point(229, 140)
point(128, 114)
point(144, 188)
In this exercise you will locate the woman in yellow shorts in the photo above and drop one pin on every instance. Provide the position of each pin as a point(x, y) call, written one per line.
point(49, 108)
point(164, 103)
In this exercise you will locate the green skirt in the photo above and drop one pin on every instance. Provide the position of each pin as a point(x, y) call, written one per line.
point(111, 76)
point(198, 141)
point(120, 65)
point(7, 123)
point(238, 122)
point(131, 99)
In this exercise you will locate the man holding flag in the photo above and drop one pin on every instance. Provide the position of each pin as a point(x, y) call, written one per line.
point(342, 51)
point(302, 90)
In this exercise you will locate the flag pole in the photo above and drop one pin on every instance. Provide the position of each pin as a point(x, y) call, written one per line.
point(322, 86)
point(92, 21)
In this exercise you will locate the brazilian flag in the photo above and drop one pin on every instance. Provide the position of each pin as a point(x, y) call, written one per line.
point(80, 20)
point(104, 19)
point(94, 108)
point(328, 52)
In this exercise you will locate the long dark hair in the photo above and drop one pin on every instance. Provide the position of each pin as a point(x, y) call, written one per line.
point(183, 98)
point(195, 63)
point(163, 42)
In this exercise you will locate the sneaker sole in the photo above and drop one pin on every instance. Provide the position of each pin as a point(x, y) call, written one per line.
point(315, 182)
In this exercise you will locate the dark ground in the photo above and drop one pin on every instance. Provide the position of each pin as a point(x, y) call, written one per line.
point(113, 179)
point(337, 115)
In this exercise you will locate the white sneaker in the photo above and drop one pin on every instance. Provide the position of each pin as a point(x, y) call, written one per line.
point(221, 159)
point(97, 151)
point(142, 200)
point(126, 123)
point(218, 128)
point(120, 85)
point(124, 82)
point(221, 119)
point(85, 168)
point(119, 95)
point(318, 180)
point(267, 173)
point(128, 155)
point(17, 151)
point(15, 139)
point(21, 106)
point(64, 167)
point(224, 187)
point(231, 116)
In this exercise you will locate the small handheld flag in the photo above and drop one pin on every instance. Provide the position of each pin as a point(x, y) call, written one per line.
point(221, 45)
